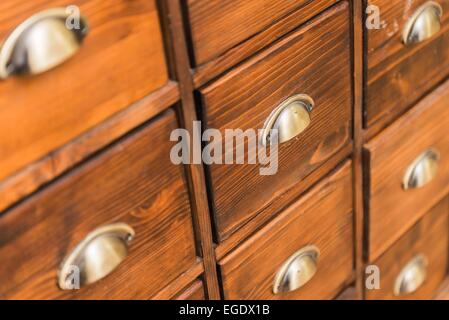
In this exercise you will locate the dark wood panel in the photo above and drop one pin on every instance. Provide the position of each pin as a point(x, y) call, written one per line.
point(246, 96)
point(402, 74)
point(218, 25)
point(133, 182)
point(429, 237)
point(322, 217)
point(121, 61)
point(392, 210)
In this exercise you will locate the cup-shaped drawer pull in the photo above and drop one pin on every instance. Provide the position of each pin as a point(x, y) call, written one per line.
point(289, 119)
point(96, 256)
point(42, 42)
point(423, 24)
point(422, 170)
point(411, 277)
point(297, 270)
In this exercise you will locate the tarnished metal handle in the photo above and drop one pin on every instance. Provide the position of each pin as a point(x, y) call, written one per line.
point(41, 43)
point(297, 270)
point(96, 256)
point(290, 118)
point(423, 24)
point(411, 277)
point(422, 170)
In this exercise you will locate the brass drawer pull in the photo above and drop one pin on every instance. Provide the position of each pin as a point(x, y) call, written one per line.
point(290, 118)
point(422, 170)
point(297, 270)
point(97, 255)
point(425, 23)
point(411, 277)
point(41, 43)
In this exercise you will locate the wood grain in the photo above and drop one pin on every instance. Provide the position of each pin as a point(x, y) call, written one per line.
point(402, 74)
point(392, 210)
point(69, 155)
point(265, 37)
point(248, 229)
point(218, 25)
point(194, 292)
point(132, 182)
point(428, 237)
point(121, 61)
point(357, 160)
point(322, 217)
point(442, 293)
point(246, 96)
point(195, 172)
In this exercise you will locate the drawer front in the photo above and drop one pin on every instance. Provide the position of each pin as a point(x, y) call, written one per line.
point(401, 160)
point(322, 219)
point(120, 61)
point(415, 266)
point(399, 74)
point(193, 292)
point(219, 25)
point(133, 182)
point(314, 60)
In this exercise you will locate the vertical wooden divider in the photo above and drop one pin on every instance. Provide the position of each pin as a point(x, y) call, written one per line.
point(359, 221)
point(195, 172)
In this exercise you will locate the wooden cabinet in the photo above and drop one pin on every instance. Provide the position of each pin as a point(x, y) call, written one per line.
point(100, 200)
point(320, 222)
point(132, 182)
point(217, 25)
point(120, 61)
point(415, 266)
point(399, 74)
point(407, 145)
point(247, 96)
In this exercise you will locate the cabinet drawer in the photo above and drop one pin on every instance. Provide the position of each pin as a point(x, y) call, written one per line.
point(315, 61)
point(399, 74)
point(218, 25)
point(120, 61)
point(320, 221)
point(132, 183)
point(415, 266)
point(410, 152)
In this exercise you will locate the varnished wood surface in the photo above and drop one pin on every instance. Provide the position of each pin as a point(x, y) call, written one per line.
point(349, 293)
point(398, 75)
point(246, 96)
point(241, 51)
point(218, 25)
point(195, 172)
point(175, 288)
point(58, 161)
point(357, 160)
point(442, 293)
point(322, 217)
point(428, 237)
point(121, 61)
point(132, 182)
point(194, 292)
point(235, 239)
point(392, 210)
